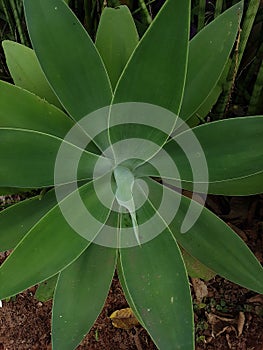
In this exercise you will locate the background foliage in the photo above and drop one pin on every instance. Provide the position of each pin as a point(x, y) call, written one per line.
point(240, 89)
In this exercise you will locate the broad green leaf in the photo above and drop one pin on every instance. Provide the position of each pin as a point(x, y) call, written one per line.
point(156, 71)
point(213, 96)
point(233, 149)
point(158, 63)
point(34, 154)
point(30, 112)
point(80, 295)
point(26, 72)
point(207, 105)
point(26, 213)
point(157, 283)
point(116, 39)
point(35, 129)
point(209, 239)
point(48, 248)
point(208, 54)
point(246, 186)
point(45, 290)
point(126, 292)
point(53, 243)
point(67, 57)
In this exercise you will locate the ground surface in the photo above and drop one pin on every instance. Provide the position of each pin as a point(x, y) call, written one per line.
point(228, 317)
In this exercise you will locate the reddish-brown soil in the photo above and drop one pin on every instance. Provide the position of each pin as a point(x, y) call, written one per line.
point(229, 317)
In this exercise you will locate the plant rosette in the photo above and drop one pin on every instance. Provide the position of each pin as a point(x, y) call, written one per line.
point(104, 131)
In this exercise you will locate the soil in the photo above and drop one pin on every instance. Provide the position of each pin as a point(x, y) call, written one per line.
point(227, 317)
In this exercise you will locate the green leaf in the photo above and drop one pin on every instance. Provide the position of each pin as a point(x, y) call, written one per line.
point(26, 213)
point(158, 63)
point(46, 289)
point(35, 129)
point(245, 186)
point(157, 283)
point(156, 71)
point(53, 243)
point(35, 155)
point(30, 112)
point(208, 54)
point(26, 72)
point(48, 248)
point(233, 152)
point(126, 292)
point(212, 98)
point(67, 57)
point(116, 39)
point(80, 295)
point(209, 239)
point(207, 105)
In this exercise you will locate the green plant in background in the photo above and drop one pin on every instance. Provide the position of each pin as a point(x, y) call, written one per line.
point(239, 87)
point(229, 81)
point(78, 80)
point(12, 12)
point(243, 65)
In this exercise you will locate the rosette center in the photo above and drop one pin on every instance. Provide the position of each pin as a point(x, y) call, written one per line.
point(125, 180)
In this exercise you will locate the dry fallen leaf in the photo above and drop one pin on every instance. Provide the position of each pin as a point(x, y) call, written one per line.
point(240, 323)
point(200, 289)
point(225, 324)
point(220, 324)
point(228, 341)
point(256, 299)
point(124, 318)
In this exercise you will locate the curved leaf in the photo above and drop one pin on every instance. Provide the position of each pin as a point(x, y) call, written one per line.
point(212, 97)
point(233, 149)
point(159, 62)
point(210, 240)
point(30, 112)
point(245, 186)
point(28, 159)
point(26, 213)
point(80, 294)
point(68, 57)
point(53, 243)
point(156, 281)
point(116, 39)
point(208, 53)
point(26, 72)
point(127, 293)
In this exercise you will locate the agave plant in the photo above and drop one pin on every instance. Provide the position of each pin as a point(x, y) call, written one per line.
point(108, 143)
